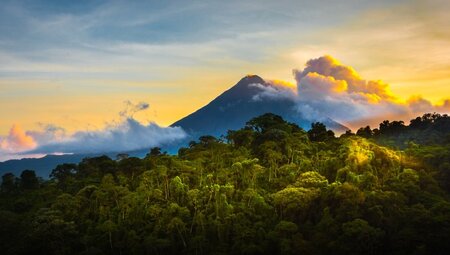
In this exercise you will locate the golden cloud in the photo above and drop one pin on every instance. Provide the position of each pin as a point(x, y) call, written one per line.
point(17, 140)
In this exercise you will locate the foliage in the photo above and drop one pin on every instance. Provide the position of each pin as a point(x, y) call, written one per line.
point(270, 188)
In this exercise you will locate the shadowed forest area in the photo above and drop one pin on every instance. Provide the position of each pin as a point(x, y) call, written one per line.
point(268, 188)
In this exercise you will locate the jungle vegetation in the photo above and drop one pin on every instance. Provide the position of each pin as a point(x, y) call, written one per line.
point(268, 188)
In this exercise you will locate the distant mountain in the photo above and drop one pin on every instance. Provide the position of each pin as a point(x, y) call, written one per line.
point(42, 166)
point(233, 108)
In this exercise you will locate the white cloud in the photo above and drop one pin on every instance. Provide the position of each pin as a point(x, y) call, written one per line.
point(272, 91)
point(125, 135)
point(328, 89)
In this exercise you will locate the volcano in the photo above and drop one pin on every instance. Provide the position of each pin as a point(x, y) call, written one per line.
point(234, 107)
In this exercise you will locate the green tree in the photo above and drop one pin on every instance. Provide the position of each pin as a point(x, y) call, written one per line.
point(319, 132)
point(358, 237)
point(29, 180)
point(8, 183)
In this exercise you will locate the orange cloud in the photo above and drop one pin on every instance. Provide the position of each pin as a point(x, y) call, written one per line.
point(17, 140)
point(330, 67)
point(320, 84)
point(282, 83)
point(327, 88)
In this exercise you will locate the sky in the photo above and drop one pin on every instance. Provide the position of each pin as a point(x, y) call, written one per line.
point(70, 68)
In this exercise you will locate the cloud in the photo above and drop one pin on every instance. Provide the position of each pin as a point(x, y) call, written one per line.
point(327, 88)
point(127, 134)
point(15, 142)
point(274, 90)
point(404, 44)
point(131, 109)
point(331, 89)
point(46, 133)
point(345, 77)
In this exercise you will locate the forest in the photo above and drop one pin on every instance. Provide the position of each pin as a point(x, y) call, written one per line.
point(268, 188)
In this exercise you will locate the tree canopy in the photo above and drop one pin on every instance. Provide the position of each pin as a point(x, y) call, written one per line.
point(268, 188)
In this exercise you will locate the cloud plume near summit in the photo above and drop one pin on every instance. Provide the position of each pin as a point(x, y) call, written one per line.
point(327, 88)
point(127, 134)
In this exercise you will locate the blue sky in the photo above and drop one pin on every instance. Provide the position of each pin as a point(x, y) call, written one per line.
point(90, 38)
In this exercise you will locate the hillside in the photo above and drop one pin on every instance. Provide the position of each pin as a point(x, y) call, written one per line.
point(272, 188)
